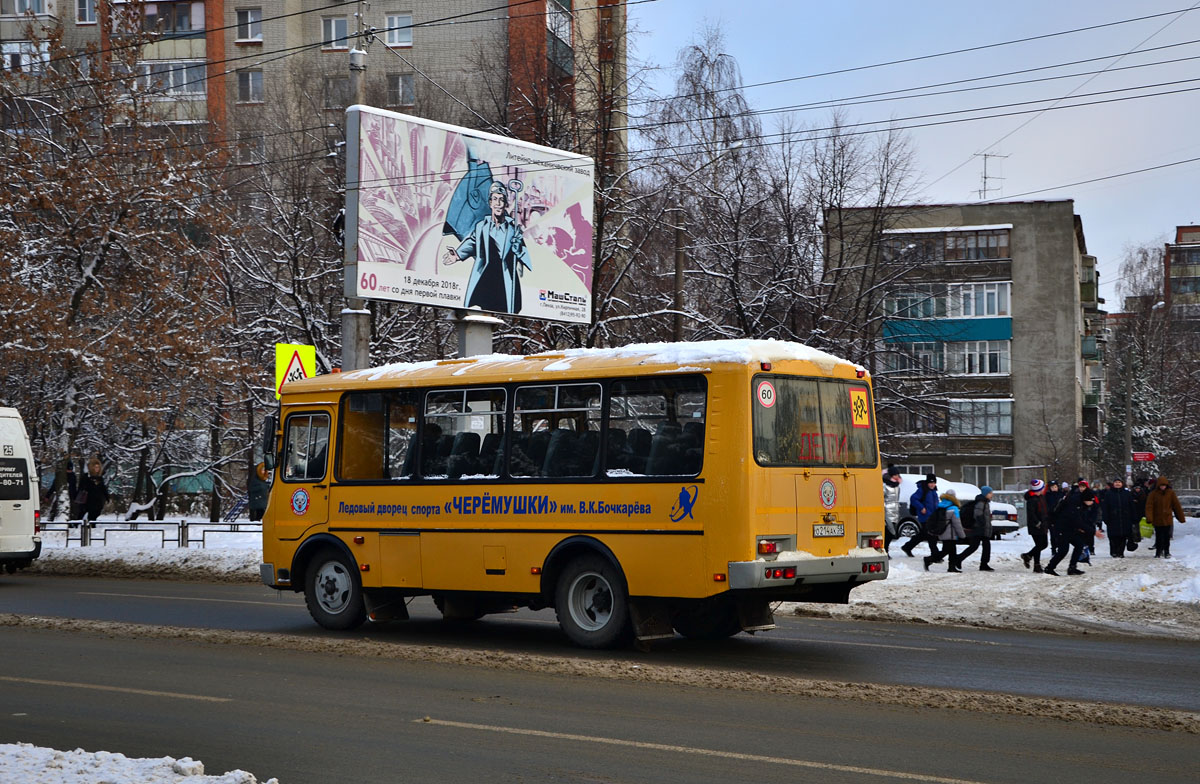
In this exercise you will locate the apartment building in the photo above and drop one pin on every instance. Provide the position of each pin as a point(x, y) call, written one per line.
point(991, 338)
point(1181, 277)
point(245, 66)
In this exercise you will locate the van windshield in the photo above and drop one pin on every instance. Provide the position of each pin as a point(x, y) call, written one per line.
point(812, 422)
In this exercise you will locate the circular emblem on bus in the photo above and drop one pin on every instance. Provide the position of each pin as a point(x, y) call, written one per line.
point(766, 394)
point(828, 494)
point(300, 501)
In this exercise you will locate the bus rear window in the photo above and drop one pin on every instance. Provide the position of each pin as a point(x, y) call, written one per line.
point(812, 422)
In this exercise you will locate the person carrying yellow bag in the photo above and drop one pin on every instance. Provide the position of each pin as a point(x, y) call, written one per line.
point(1161, 505)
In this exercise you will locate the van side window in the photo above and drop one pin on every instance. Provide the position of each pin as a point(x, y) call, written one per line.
point(378, 436)
point(306, 447)
point(556, 431)
point(656, 427)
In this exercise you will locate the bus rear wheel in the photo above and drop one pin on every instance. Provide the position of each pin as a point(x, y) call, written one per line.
point(591, 603)
point(333, 592)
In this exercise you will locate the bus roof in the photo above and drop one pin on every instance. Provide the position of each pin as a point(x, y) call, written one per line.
point(680, 357)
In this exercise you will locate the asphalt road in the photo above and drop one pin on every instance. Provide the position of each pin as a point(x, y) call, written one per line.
point(315, 718)
point(1149, 672)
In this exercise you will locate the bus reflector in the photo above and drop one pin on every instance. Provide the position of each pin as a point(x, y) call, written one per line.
point(766, 366)
point(535, 570)
point(359, 540)
point(767, 547)
point(860, 373)
point(365, 567)
point(719, 577)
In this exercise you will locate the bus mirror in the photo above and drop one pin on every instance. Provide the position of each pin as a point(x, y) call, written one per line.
point(268, 444)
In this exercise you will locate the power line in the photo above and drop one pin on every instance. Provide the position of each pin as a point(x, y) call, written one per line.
point(929, 56)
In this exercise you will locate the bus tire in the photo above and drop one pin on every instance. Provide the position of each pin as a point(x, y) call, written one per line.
point(333, 591)
point(591, 603)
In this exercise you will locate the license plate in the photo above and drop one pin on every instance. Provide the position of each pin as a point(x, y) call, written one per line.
point(829, 530)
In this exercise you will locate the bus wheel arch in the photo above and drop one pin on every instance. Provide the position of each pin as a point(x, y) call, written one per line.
point(566, 551)
point(305, 553)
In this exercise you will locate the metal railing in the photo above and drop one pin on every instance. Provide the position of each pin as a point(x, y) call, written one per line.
point(86, 534)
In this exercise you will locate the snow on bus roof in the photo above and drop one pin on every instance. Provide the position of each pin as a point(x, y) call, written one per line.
point(691, 355)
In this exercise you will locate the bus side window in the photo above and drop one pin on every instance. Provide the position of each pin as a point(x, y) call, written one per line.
point(656, 427)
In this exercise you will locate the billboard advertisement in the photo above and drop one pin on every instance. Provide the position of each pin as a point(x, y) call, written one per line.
point(446, 216)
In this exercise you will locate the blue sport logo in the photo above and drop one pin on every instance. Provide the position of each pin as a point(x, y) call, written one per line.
point(683, 507)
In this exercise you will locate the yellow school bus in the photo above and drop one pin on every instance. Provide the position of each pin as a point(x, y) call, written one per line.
point(638, 491)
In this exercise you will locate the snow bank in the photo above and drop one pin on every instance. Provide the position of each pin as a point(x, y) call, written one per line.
point(1137, 594)
point(23, 762)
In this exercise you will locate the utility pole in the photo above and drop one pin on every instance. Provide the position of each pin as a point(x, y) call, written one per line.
point(1128, 364)
point(678, 301)
point(356, 318)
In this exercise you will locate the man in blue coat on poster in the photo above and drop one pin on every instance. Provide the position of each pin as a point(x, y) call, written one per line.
point(501, 257)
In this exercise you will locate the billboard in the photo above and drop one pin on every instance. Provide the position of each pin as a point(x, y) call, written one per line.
point(446, 216)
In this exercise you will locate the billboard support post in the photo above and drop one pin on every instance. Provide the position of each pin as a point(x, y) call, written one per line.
point(473, 332)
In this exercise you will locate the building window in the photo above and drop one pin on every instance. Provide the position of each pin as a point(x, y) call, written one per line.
point(250, 87)
point(251, 148)
point(917, 302)
point(912, 249)
point(399, 30)
point(31, 7)
point(333, 33)
point(170, 77)
point(976, 245)
point(25, 57)
point(975, 357)
point(923, 469)
point(980, 475)
point(400, 90)
point(85, 11)
point(249, 24)
point(980, 417)
point(980, 299)
point(169, 18)
point(337, 92)
point(558, 36)
point(916, 358)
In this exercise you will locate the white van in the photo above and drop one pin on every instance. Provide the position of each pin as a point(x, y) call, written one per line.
point(20, 516)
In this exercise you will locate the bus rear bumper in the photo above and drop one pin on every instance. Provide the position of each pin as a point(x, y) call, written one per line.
point(787, 572)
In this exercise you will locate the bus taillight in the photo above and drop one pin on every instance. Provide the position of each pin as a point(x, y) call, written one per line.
point(767, 547)
point(783, 573)
point(872, 568)
point(876, 543)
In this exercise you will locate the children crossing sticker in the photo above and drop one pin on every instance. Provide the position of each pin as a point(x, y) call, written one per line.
point(860, 407)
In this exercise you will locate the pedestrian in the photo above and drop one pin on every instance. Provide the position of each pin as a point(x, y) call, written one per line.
point(891, 506)
point(976, 518)
point(93, 493)
point(258, 491)
point(1071, 523)
point(1117, 508)
point(1037, 522)
point(1161, 504)
point(946, 526)
point(922, 504)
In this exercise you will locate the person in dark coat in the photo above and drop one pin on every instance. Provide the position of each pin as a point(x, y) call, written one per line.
point(1037, 522)
point(977, 523)
point(93, 493)
point(1161, 504)
point(1073, 520)
point(259, 490)
point(922, 503)
point(1117, 508)
point(1139, 491)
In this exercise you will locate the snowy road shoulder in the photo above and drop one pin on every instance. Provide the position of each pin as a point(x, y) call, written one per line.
point(1135, 595)
point(23, 762)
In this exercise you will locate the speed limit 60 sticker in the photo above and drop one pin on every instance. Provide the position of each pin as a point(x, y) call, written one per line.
point(766, 394)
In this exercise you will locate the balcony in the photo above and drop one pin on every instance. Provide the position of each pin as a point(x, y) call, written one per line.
point(1091, 400)
point(1090, 348)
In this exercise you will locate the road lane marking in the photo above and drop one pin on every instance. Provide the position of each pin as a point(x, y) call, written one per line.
point(185, 598)
point(796, 763)
point(862, 644)
point(121, 689)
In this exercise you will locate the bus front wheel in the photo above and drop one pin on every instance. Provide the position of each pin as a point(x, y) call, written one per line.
point(333, 592)
point(591, 603)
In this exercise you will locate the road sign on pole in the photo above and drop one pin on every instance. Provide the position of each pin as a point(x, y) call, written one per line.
point(1143, 457)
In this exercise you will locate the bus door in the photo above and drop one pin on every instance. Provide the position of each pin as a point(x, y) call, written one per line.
point(300, 498)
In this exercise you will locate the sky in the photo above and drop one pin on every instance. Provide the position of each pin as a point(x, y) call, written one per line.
point(1053, 150)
